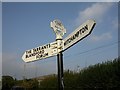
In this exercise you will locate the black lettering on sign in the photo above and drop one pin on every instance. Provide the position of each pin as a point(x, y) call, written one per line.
point(41, 48)
point(35, 53)
point(37, 49)
point(30, 55)
point(39, 56)
point(38, 52)
point(41, 52)
point(86, 27)
point(76, 35)
point(28, 51)
point(34, 50)
point(83, 29)
point(46, 46)
point(27, 56)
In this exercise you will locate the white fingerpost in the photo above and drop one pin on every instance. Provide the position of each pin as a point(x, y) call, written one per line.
point(59, 30)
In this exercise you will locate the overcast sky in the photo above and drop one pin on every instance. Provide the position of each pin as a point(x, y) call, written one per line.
point(27, 25)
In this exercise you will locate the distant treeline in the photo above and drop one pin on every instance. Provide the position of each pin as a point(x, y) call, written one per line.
point(104, 76)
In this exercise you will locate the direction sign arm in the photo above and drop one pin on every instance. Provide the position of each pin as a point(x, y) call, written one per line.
point(80, 33)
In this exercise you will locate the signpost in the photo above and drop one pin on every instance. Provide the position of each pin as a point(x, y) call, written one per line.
point(60, 45)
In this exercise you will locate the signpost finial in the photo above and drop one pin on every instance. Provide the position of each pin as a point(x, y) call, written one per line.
point(58, 28)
